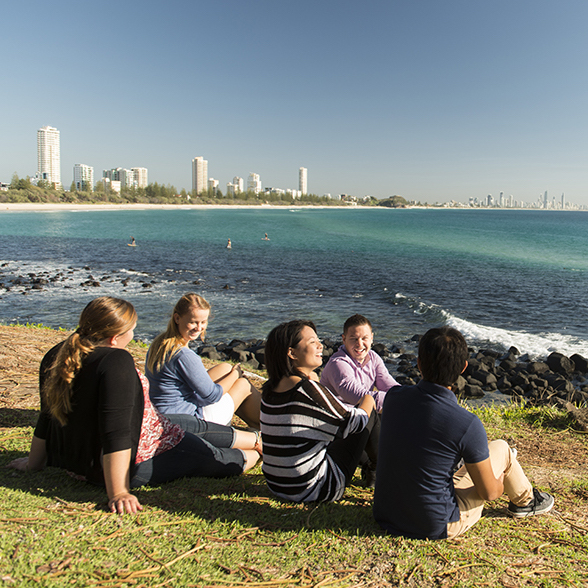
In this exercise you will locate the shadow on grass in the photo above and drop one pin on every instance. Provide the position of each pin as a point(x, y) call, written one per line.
point(18, 417)
point(244, 499)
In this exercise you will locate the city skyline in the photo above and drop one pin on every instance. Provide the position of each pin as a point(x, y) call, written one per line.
point(431, 101)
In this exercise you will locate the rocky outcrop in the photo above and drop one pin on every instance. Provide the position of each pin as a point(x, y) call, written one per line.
point(556, 379)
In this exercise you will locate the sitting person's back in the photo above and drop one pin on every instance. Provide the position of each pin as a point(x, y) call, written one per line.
point(424, 436)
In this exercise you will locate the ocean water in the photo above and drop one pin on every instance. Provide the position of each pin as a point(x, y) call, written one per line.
point(502, 277)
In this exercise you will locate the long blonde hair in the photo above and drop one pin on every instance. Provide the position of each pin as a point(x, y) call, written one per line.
point(168, 343)
point(102, 318)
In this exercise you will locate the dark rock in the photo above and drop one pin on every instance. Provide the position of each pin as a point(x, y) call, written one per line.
point(504, 385)
point(238, 344)
point(459, 385)
point(240, 355)
point(405, 381)
point(508, 365)
point(210, 352)
point(537, 367)
point(514, 351)
point(486, 378)
point(580, 363)
point(560, 364)
point(520, 379)
point(380, 349)
point(473, 391)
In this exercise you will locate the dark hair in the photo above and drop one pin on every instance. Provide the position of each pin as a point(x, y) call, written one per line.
point(357, 320)
point(443, 353)
point(277, 361)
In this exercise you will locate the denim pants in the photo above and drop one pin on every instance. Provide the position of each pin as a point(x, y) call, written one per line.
point(193, 456)
point(217, 435)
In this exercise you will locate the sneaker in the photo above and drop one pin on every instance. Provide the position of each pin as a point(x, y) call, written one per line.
point(368, 475)
point(540, 504)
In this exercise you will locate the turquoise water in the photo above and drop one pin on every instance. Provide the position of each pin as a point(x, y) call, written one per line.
point(502, 277)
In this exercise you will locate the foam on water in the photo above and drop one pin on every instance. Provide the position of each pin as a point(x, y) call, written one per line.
point(536, 345)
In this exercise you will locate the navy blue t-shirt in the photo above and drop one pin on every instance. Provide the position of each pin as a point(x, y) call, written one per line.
point(424, 434)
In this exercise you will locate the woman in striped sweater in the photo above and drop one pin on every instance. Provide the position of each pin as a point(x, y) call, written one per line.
point(312, 443)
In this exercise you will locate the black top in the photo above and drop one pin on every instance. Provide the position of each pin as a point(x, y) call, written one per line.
point(107, 411)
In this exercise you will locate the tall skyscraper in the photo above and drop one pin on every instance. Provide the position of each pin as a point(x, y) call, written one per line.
point(49, 156)
point(254, 183)
point(302, 180)
point(83, 177)
point(199, 175)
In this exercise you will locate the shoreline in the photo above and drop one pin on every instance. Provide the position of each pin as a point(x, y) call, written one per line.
point(52, 206)
point(107, 206)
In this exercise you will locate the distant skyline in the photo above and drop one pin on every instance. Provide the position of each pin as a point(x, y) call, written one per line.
point(428, 100)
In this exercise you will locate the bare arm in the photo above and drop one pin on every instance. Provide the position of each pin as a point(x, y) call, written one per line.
point(368, 404)
point(117, 466)
point(35, 461)
point(487, 485)
point(229, 380)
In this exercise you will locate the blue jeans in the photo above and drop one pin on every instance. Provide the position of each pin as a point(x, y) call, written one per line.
point(192, 457)
point(217, 435)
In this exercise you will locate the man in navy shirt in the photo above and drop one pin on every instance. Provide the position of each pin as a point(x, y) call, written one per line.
point(425, 434)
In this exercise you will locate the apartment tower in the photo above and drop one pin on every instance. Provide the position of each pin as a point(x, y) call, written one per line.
point(83, 177)
point(48, 156)
point(302, 180)
point(199, 175)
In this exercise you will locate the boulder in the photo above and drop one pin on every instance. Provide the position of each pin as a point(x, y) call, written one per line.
point(560, 364)
point(537, 367)
point(580, 363)
point(473, 391)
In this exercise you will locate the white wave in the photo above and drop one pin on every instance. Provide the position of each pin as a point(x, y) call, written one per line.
point(536, 345)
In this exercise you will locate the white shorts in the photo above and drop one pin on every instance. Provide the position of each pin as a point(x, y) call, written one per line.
point(220, 412)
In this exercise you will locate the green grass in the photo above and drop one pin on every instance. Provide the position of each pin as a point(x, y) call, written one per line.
point(54, 531)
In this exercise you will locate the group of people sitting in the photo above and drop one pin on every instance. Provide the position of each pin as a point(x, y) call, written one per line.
point(429, 459)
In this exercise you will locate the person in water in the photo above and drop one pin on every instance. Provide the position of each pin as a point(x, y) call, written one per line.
point(179, 382)
point(97, 421)
point(424, 436)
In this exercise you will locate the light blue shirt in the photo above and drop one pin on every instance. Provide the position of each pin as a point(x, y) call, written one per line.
point(182, 385)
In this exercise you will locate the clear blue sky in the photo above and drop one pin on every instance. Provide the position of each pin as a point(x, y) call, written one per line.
point(427, 99)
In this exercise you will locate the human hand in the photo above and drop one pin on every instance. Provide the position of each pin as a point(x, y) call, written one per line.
point(125, 502)
point(237, 368)
point(21, 464)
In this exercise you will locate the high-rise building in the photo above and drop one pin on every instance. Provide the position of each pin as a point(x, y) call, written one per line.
point(83, 177)
point(213, 185)
point(48, 156)
point(199, 175)
point(302, 180)
point(139, 177)
point(254, 183)
point(238, 183)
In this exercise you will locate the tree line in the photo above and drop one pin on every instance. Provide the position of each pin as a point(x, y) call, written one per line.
point(22, 190)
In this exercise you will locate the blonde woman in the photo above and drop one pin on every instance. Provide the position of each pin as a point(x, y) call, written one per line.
point(97, 421)
point(182, 388)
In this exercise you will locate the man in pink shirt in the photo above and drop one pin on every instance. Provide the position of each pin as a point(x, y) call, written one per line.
point(355, 371)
